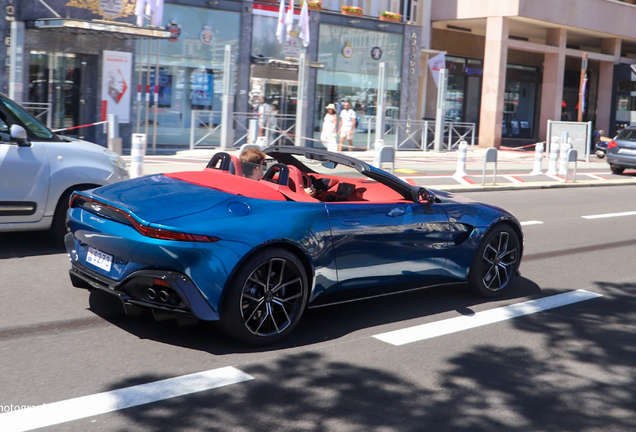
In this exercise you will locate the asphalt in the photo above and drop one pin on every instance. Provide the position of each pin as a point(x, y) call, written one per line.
point(437, 170)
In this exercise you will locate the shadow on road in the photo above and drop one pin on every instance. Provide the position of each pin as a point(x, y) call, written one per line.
point(28, 243)
point(316, 325)
point(581, 378)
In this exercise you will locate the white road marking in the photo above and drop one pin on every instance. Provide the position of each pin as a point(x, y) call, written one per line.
point(594, 176)
point(531, 223)
point(462, 180)
point(609, 215)
point(512, 179)
point(101, 403)
point(452, 325)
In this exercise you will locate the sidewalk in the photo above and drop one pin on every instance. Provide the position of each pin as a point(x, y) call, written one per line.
point(435, 170)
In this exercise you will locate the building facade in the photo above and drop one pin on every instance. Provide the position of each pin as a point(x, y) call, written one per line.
point(85, 58)
point(515, 64)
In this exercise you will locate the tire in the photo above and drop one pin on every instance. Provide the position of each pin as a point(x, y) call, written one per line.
point(600, 154)
point(617, 170)
point(266, 298)
point(496, 262)
point(58, 227)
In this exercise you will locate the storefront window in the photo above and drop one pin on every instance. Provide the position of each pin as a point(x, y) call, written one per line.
point(463, 93)
point(520, 101)
point(351, 59)
point(190, 74)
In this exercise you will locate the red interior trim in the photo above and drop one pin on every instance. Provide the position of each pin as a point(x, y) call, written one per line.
point(220, 180)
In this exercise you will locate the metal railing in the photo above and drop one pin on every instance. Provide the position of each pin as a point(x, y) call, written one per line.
point(205, 129)
point(420, 134)
point(41, 111)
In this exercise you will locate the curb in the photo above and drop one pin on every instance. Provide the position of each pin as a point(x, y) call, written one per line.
point(537, 185)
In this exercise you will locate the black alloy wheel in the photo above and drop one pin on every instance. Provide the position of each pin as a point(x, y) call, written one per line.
point(266, 298)
point(496, 262)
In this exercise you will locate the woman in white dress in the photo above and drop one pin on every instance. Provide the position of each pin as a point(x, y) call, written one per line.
point(328, 135)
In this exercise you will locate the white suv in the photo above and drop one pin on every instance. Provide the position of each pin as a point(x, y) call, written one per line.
point(39, 170)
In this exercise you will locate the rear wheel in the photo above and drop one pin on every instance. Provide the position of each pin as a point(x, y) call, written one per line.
point(496, 262)
point(616, 169)
point(266, 298)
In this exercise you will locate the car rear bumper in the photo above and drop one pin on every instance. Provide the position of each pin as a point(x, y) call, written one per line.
point(174, 292)
point(621, 160)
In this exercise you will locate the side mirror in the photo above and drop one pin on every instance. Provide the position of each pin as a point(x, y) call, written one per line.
point(424, 197)
point(19, 136)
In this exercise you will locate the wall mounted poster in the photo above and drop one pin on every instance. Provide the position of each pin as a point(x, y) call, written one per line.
point(116, 82)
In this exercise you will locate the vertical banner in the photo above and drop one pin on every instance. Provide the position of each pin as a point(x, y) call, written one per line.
point(436, 63)
point(116, 80)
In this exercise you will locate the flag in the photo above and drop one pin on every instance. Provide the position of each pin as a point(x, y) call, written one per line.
point(280, 29)
point(304, 24)
point(289, 19)
point(436, 63)
point(157, 15)
point(583, 91)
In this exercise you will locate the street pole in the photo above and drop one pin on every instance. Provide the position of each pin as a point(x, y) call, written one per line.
point(156, 94)
point(582, 87)
point(379, 113)
point(226, 109)
point(300, 101)
point(441, 110)
point(139, 83)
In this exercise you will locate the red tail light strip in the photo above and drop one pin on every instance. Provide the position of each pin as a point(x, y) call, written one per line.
point(147, 231)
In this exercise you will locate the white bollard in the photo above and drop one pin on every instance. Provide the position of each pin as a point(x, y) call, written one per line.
point(563, 159)
point(554, 159)
point(138, 151)
point(461, 160)
point(538, 159)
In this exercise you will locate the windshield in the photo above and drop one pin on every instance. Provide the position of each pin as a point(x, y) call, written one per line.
point(33, 126)
point(320, 167)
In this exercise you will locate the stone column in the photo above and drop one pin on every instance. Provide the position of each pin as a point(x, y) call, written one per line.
point(494, 82)
point(553, 73)
point(605, 84)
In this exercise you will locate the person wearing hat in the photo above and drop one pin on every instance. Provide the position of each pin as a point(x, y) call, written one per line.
point(328, 134)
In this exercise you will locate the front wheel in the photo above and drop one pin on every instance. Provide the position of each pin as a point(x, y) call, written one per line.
point(617, 170)
point(496, 262)
point(266, 298)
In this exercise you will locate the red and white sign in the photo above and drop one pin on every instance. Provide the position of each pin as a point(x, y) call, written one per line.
point(116, 81)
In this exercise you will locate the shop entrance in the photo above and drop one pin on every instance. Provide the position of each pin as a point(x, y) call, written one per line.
point(63, 81)
point(282, 93)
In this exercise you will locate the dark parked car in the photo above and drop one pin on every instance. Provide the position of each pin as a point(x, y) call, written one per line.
point(251, 247)
point(621, 151)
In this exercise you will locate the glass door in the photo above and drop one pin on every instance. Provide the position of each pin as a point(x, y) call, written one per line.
point(63, 82)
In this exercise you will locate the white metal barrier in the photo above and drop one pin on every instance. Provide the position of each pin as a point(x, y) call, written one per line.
point(580, 135)
point(277, 130)
point(41, 111)
point(420, 134)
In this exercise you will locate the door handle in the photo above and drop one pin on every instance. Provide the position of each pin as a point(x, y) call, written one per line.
point(351, 223)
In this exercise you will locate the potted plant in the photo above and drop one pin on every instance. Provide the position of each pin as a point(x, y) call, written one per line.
point(314, 5)
point(390, 16)
point(351, 10)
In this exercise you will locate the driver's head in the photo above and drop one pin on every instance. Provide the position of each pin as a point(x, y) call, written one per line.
point(253, 163)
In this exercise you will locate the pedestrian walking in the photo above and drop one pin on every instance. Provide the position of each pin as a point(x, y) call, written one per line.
point(328, 134)
point(348, 123)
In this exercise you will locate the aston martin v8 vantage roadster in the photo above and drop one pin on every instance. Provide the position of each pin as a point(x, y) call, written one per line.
point(311, 228)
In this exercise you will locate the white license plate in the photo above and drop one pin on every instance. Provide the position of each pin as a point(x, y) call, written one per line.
point(627, 151)
point(99, 259)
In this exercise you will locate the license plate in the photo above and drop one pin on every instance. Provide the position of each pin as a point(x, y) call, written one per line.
point(627, 151)
point(99, 259)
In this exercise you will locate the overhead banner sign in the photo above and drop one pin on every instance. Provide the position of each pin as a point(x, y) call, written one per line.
point(116, 82)
point(436, 63)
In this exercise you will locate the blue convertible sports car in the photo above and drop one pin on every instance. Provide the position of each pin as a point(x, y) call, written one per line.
point(315, 228)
